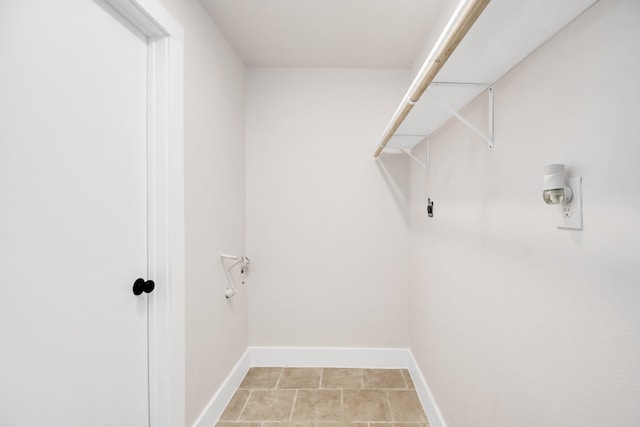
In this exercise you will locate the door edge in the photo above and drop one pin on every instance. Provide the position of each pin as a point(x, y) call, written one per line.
point(166, 248)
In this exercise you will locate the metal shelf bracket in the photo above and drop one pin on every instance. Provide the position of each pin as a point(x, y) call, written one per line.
point(426, 164)
point(488, 137)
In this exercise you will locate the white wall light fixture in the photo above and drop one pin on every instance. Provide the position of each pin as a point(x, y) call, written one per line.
point(557, 191)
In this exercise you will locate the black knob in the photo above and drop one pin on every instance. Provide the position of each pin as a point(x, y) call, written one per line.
point(141, 285)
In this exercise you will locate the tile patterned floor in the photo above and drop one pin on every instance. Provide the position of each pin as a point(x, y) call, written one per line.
point(325, 397)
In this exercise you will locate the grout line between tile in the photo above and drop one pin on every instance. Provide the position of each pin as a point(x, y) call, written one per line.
point(321, 375)
point(246, 402)
point(393, 418)
point(295, 398)
point(279, 378)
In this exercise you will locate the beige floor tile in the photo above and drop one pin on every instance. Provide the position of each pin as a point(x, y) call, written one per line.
point(342, 378)
point(289, 424)
point(407, 379)
point(290, 397)
point(261, 378)
point(235, 406)
point(237, 424)
point(268, 405)
point(365, 405)
point(318, 405)
point(341, 424)
point(383, 378)
point(398, 425)
point(296, 378)
point(405, 406)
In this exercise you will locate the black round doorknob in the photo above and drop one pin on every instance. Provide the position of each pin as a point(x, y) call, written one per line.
point(141, 285)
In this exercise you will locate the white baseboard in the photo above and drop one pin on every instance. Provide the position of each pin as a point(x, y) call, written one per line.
point(328, 357)
point(211, 413)
point(384, 358)
point(424, 393)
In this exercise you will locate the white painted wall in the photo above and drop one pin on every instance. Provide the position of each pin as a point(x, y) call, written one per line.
point(216, 329)
point(327, 226)
point(514, 322)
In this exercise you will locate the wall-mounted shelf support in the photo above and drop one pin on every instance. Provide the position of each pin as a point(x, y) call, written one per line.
point(412, 141)
point(425, 165)
point(487, 137)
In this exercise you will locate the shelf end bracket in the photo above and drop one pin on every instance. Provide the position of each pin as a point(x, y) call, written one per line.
point(425, 165)
point(486, 137)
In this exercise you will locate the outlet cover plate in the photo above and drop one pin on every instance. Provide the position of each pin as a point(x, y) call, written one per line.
point(572, 212)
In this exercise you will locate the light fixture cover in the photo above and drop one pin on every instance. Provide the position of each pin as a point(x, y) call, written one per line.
point(555, 191)
point(554, 196)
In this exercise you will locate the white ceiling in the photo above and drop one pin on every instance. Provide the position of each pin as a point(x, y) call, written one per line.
point(326, 33)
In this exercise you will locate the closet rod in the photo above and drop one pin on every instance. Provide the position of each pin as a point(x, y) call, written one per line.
point(463, 18)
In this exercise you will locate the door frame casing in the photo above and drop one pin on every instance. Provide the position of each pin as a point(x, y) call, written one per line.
point(166, 248)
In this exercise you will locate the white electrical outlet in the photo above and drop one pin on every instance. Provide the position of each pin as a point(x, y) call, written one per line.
point(572, 211)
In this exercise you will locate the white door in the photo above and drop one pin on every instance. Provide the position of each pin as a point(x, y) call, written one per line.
point(73, 216)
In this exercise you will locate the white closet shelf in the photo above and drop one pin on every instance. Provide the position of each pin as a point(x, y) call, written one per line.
point(504, 34)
